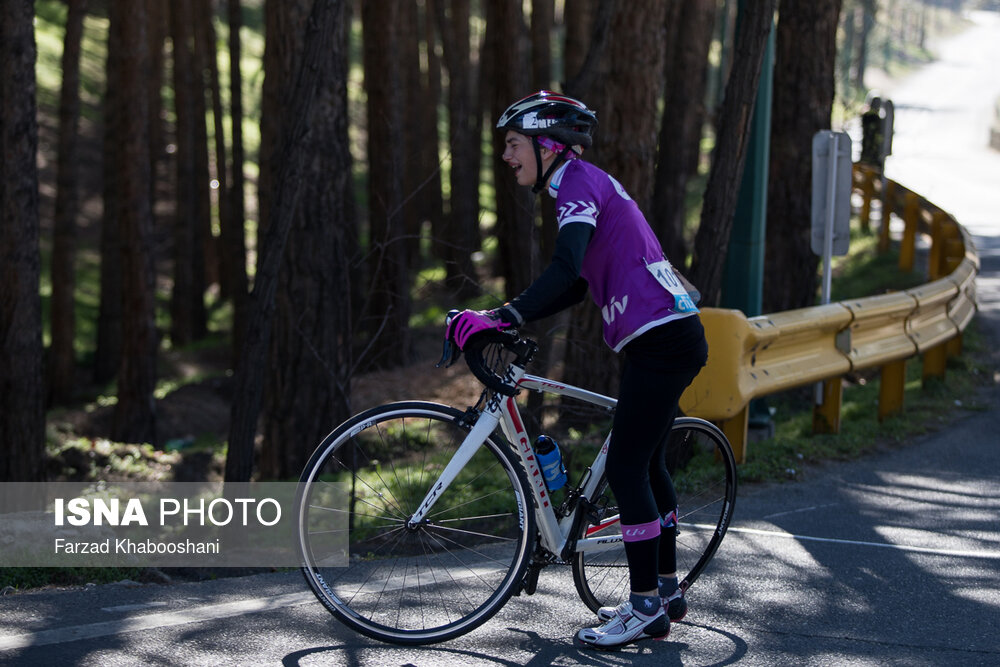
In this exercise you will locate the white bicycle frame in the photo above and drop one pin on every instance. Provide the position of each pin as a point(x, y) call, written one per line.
point(503, 411)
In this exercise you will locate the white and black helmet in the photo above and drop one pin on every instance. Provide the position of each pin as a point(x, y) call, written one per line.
point(565, 119)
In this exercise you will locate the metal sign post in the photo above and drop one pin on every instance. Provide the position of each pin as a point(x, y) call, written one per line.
point(831, 199)
point(831, 204)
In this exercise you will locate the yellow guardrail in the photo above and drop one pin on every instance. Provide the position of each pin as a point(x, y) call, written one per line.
point(756, 356)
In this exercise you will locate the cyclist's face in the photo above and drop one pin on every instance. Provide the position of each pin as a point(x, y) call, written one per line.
point(520, 156)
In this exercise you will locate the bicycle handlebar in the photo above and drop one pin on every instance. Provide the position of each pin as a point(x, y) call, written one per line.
point(488, 354)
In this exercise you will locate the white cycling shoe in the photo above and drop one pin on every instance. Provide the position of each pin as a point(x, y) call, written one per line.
point(675, 605)
point(625, 627)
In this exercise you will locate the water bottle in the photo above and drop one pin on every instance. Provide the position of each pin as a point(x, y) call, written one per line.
point(547, 453)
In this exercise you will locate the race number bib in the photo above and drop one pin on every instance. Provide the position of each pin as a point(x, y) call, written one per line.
point(663, 271)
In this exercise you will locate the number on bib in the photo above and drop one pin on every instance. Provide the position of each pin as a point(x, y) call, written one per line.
point(664, 274)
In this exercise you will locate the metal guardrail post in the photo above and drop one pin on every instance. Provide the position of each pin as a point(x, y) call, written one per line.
point(826, 415)
point(867, 193)
point(954, 346)
point(888, 200)
point(935, 361)
point(908, 246)
point(861, 180)
point(892, 385)
point(736, 429)
point(953, 250)
point(935, 260)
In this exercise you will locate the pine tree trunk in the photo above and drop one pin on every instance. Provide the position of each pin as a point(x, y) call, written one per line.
point(187, 312)
point(414, 134)
point(107, 356)
point(310, 362)
point(867, 25)
point(431, 199)
point(135, 413)
point(22, 417)
point(692, 25)
point(289, 163)
point(388, 308)
point(220, 259)
point(233, 242)
point(517, 238)
point(542, 20)
point(157, 13)
point(460, 236)
point(732, 137)
point(61, 369)
point(578, 16)
point(804, 88)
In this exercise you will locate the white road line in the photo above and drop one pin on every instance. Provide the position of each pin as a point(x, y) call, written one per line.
point(134, 607)
point(801, 509)
point(961, 553)
point(151, 621)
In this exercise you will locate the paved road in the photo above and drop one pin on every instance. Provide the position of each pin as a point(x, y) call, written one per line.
point(892, 560)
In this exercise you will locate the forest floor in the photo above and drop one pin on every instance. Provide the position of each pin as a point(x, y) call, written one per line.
point(193, 419)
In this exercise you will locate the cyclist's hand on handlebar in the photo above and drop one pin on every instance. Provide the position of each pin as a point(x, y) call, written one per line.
point(467, 323)
point(461, 325)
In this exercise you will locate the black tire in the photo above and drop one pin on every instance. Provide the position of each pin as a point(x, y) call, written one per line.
point(702, 465)
point(418, 585)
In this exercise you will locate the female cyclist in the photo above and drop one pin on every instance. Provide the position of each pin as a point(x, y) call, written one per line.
point(605, 245)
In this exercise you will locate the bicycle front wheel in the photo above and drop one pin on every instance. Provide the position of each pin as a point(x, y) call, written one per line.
point(412, 584)
point(701, 463)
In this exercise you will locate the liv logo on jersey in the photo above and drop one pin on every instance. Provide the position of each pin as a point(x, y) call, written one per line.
point(614, 308)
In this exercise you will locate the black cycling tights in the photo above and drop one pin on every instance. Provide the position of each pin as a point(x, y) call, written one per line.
point(657, 367)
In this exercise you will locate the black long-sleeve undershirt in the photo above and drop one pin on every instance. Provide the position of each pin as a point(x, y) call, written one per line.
point(560, 285)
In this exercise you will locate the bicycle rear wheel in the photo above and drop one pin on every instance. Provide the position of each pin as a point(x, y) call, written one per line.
point(421, 584)
point(703, 468)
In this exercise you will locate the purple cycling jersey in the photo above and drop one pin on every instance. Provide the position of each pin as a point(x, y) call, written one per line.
point(617, 262)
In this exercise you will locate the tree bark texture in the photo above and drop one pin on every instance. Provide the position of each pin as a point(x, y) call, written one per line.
point(804, 88)
point(388, 309)
point(233, 231)
point(729, 156)
point(310, 362)
point(517, 238)
point(187, 305)
point(542, 20)
point(290, 162)
point(206, 40)
point(61, 368)
point(691, 25)
point(135, 413)
point(107, 355)
point(22, 417)
point(461, 237)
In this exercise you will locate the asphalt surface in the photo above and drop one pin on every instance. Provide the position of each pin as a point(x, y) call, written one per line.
point(889, 560)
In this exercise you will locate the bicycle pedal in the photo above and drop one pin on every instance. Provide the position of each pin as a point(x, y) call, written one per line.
point(592, 511)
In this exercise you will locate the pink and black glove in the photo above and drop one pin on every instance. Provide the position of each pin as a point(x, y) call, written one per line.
point(470, 322)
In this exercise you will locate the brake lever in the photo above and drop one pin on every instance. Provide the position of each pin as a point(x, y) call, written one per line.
point(451, 351)
point(450, 355)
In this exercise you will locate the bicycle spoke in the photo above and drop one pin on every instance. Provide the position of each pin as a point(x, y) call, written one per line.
point(706, 485)
point(439, 578)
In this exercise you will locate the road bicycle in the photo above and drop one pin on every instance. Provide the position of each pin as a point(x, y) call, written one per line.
point(447, 514)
